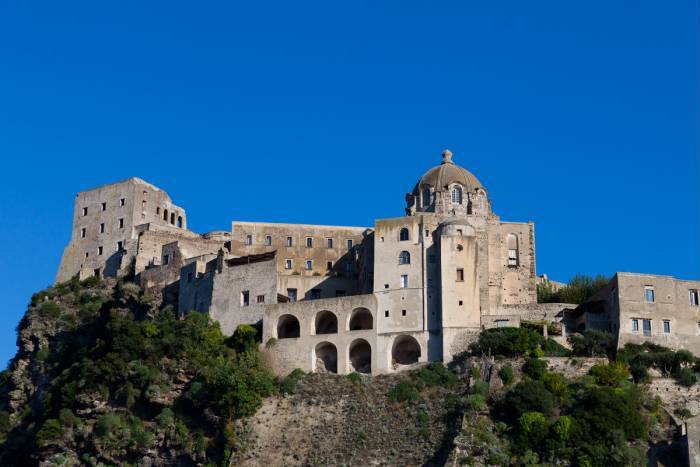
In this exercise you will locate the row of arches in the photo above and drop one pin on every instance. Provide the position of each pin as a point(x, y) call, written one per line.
point(404, 351)
point(325, 322)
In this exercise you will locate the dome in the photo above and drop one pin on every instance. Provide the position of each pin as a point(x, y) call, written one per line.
point(442, 176)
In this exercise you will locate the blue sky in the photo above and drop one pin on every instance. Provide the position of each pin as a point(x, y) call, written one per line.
point(582, 117)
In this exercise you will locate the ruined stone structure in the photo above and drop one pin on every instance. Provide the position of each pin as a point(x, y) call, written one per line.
point(644, 307)
point(410, 289)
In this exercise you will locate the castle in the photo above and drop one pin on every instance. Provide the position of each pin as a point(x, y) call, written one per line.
point(341, 299)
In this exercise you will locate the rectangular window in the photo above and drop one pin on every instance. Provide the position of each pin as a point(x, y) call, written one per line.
point(315, 294)
point(309, 242)
point(403, 312)
point(348, 266)
point(649, 294)
point(460, 275)
point(512, 257)
point(427, 233)
point(122, 202)
point(329, 265)
point(85, 210)
point(268, 240)
point(102, 228)
point(245, 298)
point(349, 244)
point(83, 231)
point(248, 239)
point(99, 250)
point(289, 241)
point(166, 260)
point(339, 293)
point(260, 299)
point(292, 294)
point(287, 264)
point(667, 326)
point(157, 210)
point(635, 325)
point(501, 323)
point(386, 313)
point(121, 223)
point(693, 293)
point(329, 243)
point(104, 206)
point(87, 254)
point(404, 281)
point(646, 326)
point(309, 264)
point(120, 245)
point(430, 283)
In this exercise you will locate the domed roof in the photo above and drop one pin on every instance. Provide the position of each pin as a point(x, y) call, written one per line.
point(446, 173)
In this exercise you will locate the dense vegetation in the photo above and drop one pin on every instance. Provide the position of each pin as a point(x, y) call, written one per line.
point(122, 377)
point(579, 289)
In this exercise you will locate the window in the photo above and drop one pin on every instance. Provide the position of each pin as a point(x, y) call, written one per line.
point(85, 210)
point(83, 232)
point(386, 314)
point(120, 245)
point(329, 265)
point(403, 235)
point(121, 223)
point(426, 197)
point(512, 244)
point(172, 218)
point(431, 259)
point(427, 233)
point(693, 293)
point(260, 299)
point(430, 283)
point(404, 257)
point(87, 254)
point(646, 326)
point(386, 286)
point(102, 228)
point(349, 244)
point(245, 298)
point(348, 266)
point(248, 239)
point(457, 195)
point(404, 281)
point(460, 303)
point(403, 312)
point(268, 240)
point(339, 293)
point(179, 222)
point(309, 242)
point(329, 243)
point(189, 277)
point(104, 206)
point(309, 264)
point(99, 250)
point(165, 215)
point(287, 264)
point(166, 259)
point(289, 241)
point(649, 294)
point(122, 202)
point(460, 275)
point(502, 323)
point(157, 210)
point(292, 294)
point(635, 325)
point(667, 326)
point(315, 294)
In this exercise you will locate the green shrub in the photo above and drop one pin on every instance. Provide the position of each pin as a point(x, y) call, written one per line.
point(611, 374)
point(68, 418)
point(579, 289)
point(434, 374)
point(552, 348)
point(288, 385)
point(43, 354)
point(475, 372)
point(535, 368)
point(50, 310)
point(355, 377)
point(686, 377)
point(526, 396)
point(404, 391)
point(5, 425)
point(510, 342)
point(50, 432)
point(506, 375)
point(245, 337)
point(480, 387)
point(475, 402)
point(555, 383)
point(592, 343)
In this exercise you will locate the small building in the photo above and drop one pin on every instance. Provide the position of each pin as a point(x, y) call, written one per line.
point(641, 308)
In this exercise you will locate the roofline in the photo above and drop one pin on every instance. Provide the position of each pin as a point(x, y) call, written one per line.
point(135, 180)
point(642, 274)
point(315, 226)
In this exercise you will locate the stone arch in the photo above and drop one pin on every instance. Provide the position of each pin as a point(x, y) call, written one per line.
point(165, 215)
point(405, 350)
point(326, 323)
point(360, 356)
point(404, 234)
point(325, 358)
point(361, 319)
point(287, 327)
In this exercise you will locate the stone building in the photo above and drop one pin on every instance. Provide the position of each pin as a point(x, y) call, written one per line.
point(410, 289)
point(641, 308)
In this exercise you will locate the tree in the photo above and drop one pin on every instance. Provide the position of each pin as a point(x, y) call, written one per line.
point(592, 343)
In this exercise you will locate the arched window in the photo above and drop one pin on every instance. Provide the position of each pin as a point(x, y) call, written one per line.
point(165, 215)
point(326, 360)
point(172, 218)
point(405, 350)
point(179, 221)
point(457, 195)
point(326, 323)
point(404, 257)
point(287, 327)
point(360, 319)
point(426, 197)
point(403, 234)
point(360, 356)
point(513, 253)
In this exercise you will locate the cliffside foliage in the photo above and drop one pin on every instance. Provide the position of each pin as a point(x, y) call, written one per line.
point(579, 289)
point(103, 375)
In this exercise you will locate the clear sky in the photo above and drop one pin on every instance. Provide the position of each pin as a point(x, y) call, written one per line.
point(579, 116)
